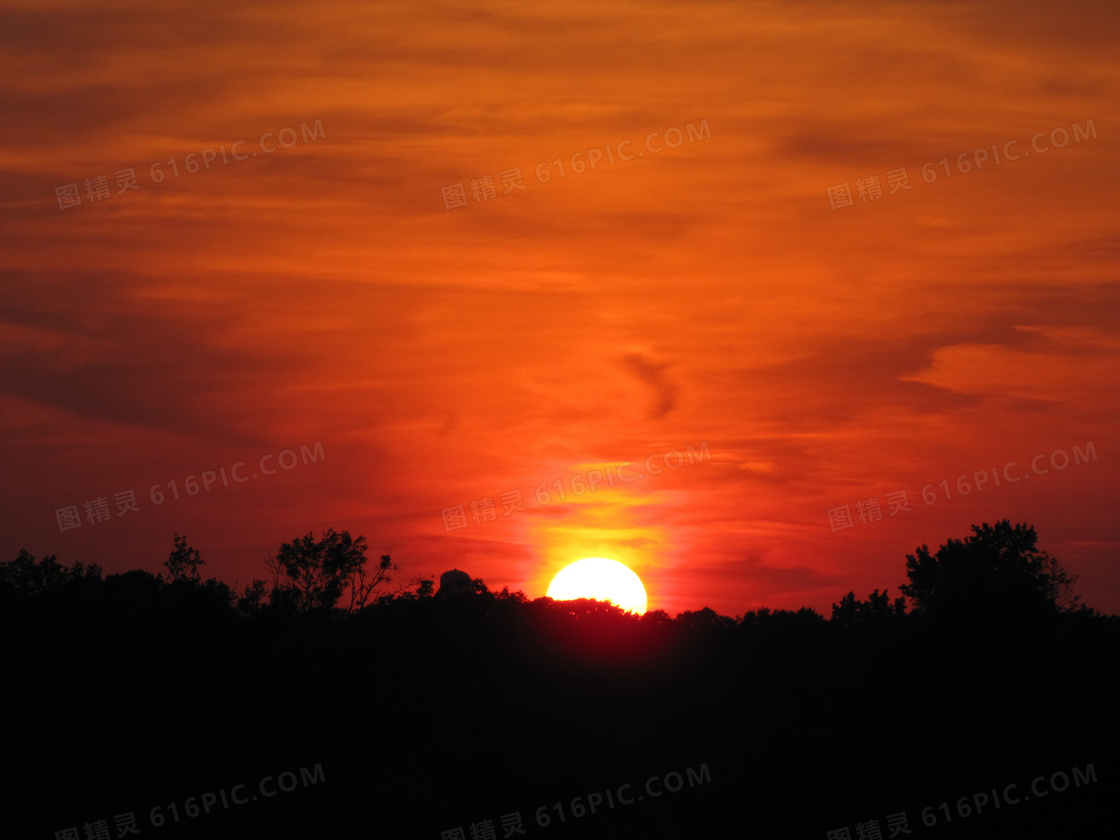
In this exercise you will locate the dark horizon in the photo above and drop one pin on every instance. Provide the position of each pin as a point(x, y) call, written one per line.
point(409, 579)
point(290, 710)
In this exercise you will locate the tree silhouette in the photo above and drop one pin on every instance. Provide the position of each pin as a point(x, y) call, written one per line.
point(183, 562)
point(705, 620)
point(309, 574)
point(27, 578)
point(875, 611)
point(581, 674)
point(316, 573)
point(997, 573)
point(250, 600)
point(362, 584)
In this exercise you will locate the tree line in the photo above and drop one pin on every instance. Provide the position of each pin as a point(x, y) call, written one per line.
point(995, 576)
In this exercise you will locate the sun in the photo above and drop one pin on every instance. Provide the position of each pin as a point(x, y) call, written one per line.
point(602, 579)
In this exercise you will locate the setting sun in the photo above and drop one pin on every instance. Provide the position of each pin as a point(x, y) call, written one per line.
point(602, 579)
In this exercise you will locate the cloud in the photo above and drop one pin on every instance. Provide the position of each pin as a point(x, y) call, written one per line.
point(324, 292)
point(654, 375)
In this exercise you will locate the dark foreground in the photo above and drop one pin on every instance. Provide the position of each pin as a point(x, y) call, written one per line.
point(497, 718)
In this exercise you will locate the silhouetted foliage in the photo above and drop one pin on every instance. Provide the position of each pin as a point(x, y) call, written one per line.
point(363, 585)
point(310, 574)
point(996, 575)
point(313, 574)
point(203, 688)
point(184, 562)
point(706, 620)
point(26, 578)
point(876, 611)
point(252, 599)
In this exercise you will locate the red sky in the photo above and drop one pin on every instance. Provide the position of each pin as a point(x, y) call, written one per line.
point(704, 291)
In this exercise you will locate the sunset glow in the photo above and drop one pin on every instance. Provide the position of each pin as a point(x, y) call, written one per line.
point(601, 579)
point(502, 270)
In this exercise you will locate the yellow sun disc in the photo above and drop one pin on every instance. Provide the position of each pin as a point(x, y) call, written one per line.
point(602, 579)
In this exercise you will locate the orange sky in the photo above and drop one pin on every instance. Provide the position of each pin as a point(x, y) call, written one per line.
point(706, 292)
